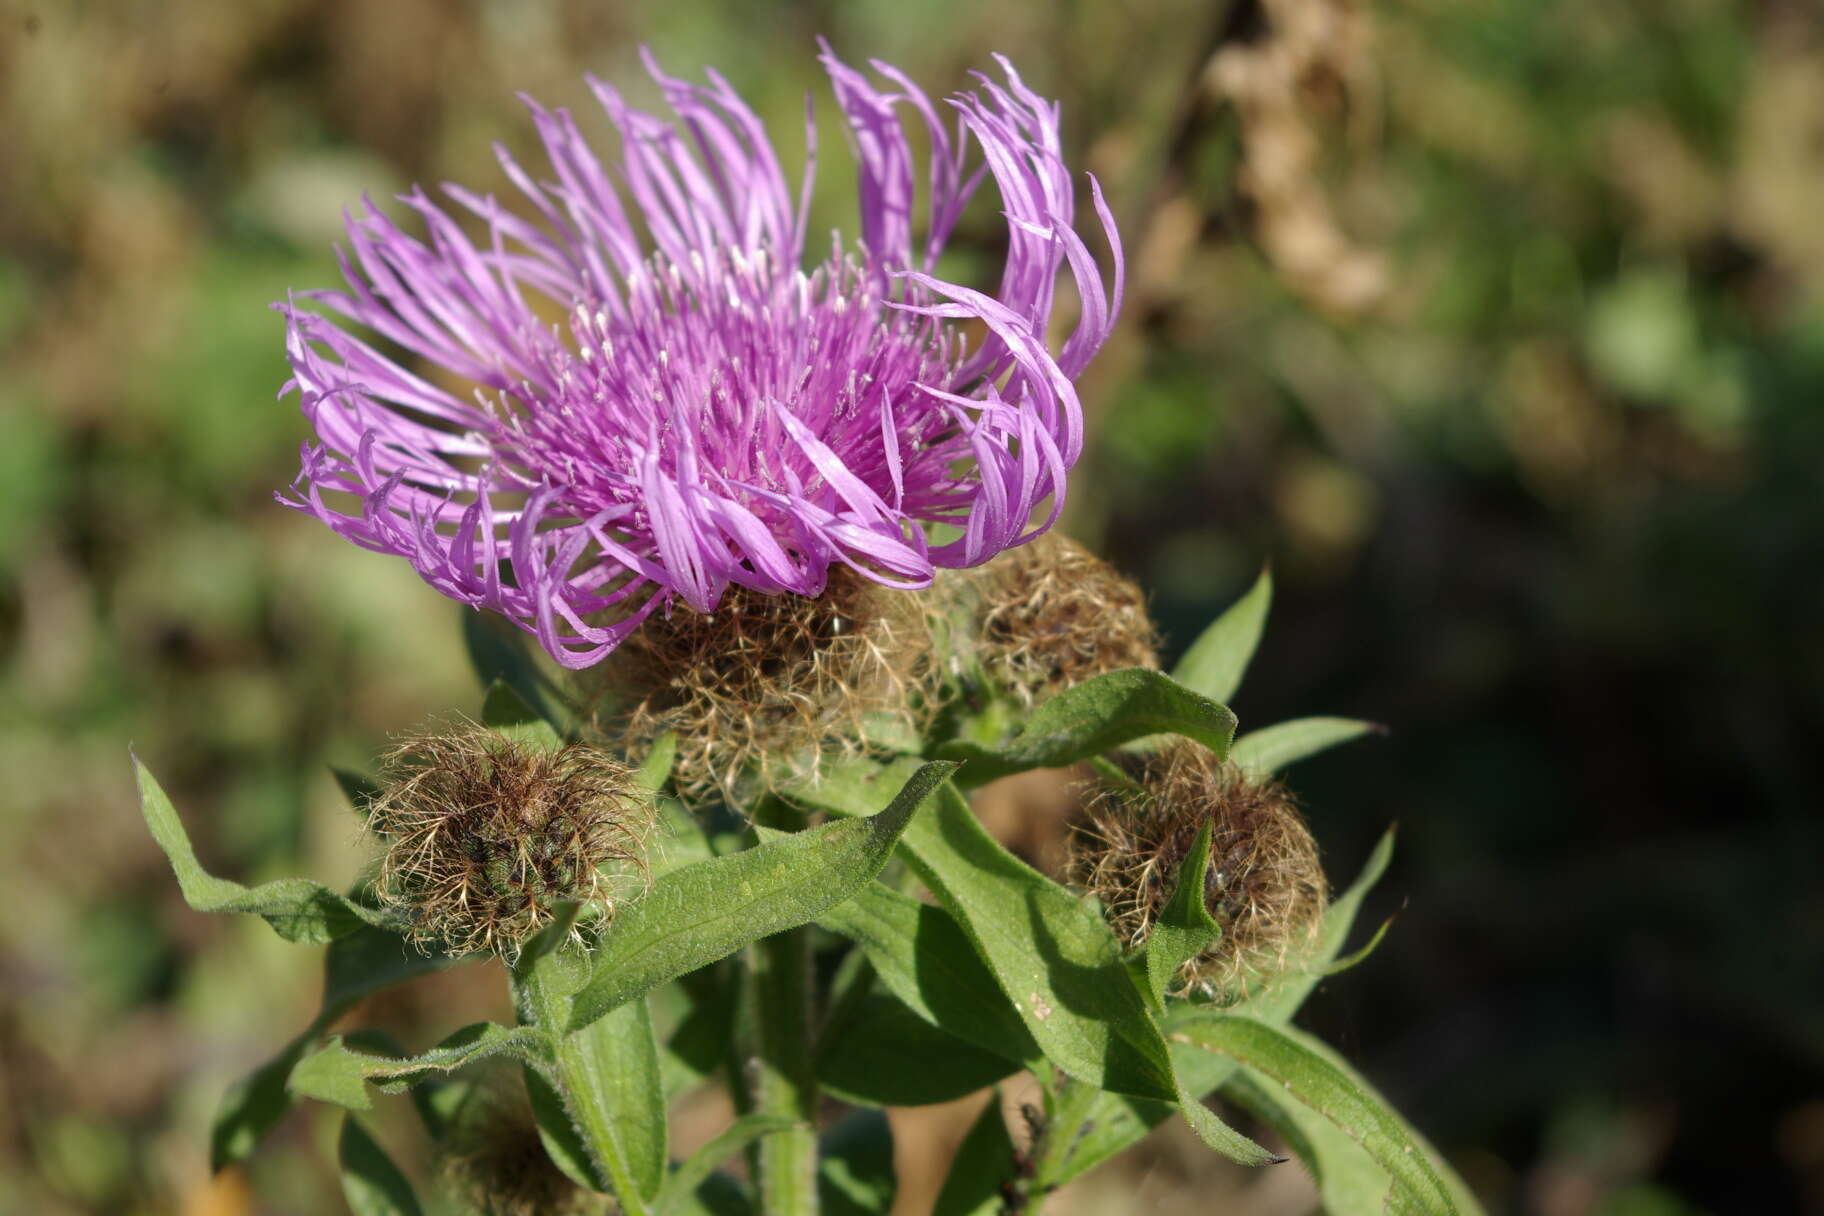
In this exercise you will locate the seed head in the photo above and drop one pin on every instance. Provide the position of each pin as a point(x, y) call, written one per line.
point(1049, 615)
point(486, 835)
point(1264, 888)
point(764, 679)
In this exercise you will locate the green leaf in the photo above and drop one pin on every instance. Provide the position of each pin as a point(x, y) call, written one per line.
point(252, 1107)
point(1348, 1180)
point(354, 966)
point(1358, 957)
point(371, 1183)
point(335, 1073)
point(696, 1170)
point(557, 1132)
point(618, 1057)
point(881, 1053)
point(360, 791)
point(1266, 751)
point(1347, 1173)
point(1185, 927)
point(655, 769)
point(697, 1047)
point(1092, 717)
point(985, 1163)
point(855, 1166)
point(1277, 1004)
point(680, 839)
point(719, 1195)
point(504, 709)
point(499, 653)
point(703, 912)
point(1217, 660)
point(441, 1105)
point(1300, 1074)
point(1117, 1122)
point(553, 936)
point(297, 909)
point(608, 1073)
point(1053, 955)
point(926, 960)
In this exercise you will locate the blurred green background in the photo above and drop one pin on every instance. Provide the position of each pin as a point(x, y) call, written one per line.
point(1498, 325)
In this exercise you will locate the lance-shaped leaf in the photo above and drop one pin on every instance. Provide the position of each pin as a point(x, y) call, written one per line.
point(855, 1166)
point(505, 710)
point(985, 1163)
point(339, 1074)
point(360, 790)
point(699, 913)
point(926, 960)
point(1295, 1072)
point(299, 910)
point(1219, 657)
point(371, 1183)
point(1095, 716)
point(655, 769)
point(1052, 955)
point(608, 1078)
point(1185, 927)
point(881, 1053)
point(499, 654)
point(1266, 751)
point(1117, 1122)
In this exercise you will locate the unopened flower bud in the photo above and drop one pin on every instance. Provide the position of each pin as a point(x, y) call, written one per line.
point(1264, 888)
point(1048, 615)
point(486, 835)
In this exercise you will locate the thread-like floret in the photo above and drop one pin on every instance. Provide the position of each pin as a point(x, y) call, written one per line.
point(1265, 887)
point(487, 835)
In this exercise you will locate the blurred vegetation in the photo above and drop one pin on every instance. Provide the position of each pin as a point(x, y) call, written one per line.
point(1497, 325)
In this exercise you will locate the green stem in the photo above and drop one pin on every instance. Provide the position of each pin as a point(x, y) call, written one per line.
point(544, 1001)
point(783, 1076)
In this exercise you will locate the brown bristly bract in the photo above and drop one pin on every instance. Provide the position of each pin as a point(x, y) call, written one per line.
point(486, 834)
point(1053, 614)
point(764, 679)
point(1265, 888)
point(497, 1165)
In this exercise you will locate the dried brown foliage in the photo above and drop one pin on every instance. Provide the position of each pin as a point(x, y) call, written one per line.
point(1265, 887)
point(1052, 614)
point(764, 678)
point(485, 834)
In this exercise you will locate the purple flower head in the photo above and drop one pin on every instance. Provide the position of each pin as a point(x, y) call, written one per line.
point(660, 398)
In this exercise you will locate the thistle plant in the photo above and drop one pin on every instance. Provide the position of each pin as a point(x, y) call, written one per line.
point(780, 528)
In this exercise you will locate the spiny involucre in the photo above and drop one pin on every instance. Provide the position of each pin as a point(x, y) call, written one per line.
point(713, 411)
